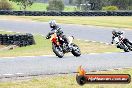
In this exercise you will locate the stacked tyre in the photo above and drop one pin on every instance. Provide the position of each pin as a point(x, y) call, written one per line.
point(17, 39)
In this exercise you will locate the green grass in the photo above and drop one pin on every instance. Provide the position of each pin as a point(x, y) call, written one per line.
point(6, 32)
point(69, 8)
point(43, 47)
point(34, 7)
point(64, 81)
point(107, 21)
point(91, 47)
point(39, 7)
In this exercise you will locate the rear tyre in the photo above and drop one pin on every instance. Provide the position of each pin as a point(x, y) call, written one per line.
point(58, 51)
point(126, 49)
point(129, 46)
point(75, 50)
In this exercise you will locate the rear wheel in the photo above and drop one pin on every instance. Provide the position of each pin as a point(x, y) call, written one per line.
point(129, 46)
point(75, 50)
point(57, 50)
point(126, 49)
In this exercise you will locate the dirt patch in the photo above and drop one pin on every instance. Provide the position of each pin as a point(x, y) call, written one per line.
point(10, 47)
point(2, 46)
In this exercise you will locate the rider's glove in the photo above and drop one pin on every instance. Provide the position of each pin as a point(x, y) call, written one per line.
point(47, 37)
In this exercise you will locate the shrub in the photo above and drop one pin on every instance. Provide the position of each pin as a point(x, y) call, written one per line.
point(55, 5)
point(129, 7)
point(5, 5)
point(110, 8)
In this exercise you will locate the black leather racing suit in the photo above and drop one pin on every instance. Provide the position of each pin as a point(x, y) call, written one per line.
point(56, 29)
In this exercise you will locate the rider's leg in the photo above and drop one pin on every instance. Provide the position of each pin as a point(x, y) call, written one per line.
point(65, 38)
point(67, 41)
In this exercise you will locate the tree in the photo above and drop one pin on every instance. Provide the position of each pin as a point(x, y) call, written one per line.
point(23, 3)
point(130, 2)
point(70, 2)
point(55, 5)
point(121, 4)
point(5, 5)
point(78, 3)
point(97, 4)
point(130, 5)
point(92, 4)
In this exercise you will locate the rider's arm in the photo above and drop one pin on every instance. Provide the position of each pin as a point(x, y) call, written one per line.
point(59, 31)
point(120, 33)
point(49, 35)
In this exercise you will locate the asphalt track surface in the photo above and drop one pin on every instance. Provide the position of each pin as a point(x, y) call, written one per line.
point(68, 64)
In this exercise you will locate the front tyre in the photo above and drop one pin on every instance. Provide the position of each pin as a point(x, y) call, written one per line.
point(57, 50)
point(75, 50)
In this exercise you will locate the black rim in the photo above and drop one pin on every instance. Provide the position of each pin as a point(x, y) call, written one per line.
point(59, 50)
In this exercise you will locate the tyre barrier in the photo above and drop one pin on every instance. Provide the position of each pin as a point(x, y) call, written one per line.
point(43, 13)
point(17, 39)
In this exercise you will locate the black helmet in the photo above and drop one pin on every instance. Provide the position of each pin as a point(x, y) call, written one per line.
point(52, 23)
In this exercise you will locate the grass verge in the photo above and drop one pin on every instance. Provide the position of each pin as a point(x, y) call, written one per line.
point(43, 47)
point(111, 21)
point(64, 81)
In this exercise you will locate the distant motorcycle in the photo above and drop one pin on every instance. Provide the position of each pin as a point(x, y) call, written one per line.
point(60, 47)
point(119, 41)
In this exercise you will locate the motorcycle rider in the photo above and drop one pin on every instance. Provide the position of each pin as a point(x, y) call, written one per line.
point(117, 34)
point(56, 29)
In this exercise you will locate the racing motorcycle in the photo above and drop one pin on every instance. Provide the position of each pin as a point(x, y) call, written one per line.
point(60, 47)
point(119, 41)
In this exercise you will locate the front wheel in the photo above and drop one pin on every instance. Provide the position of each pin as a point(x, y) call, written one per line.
point(75, 50)
point(57, 50)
